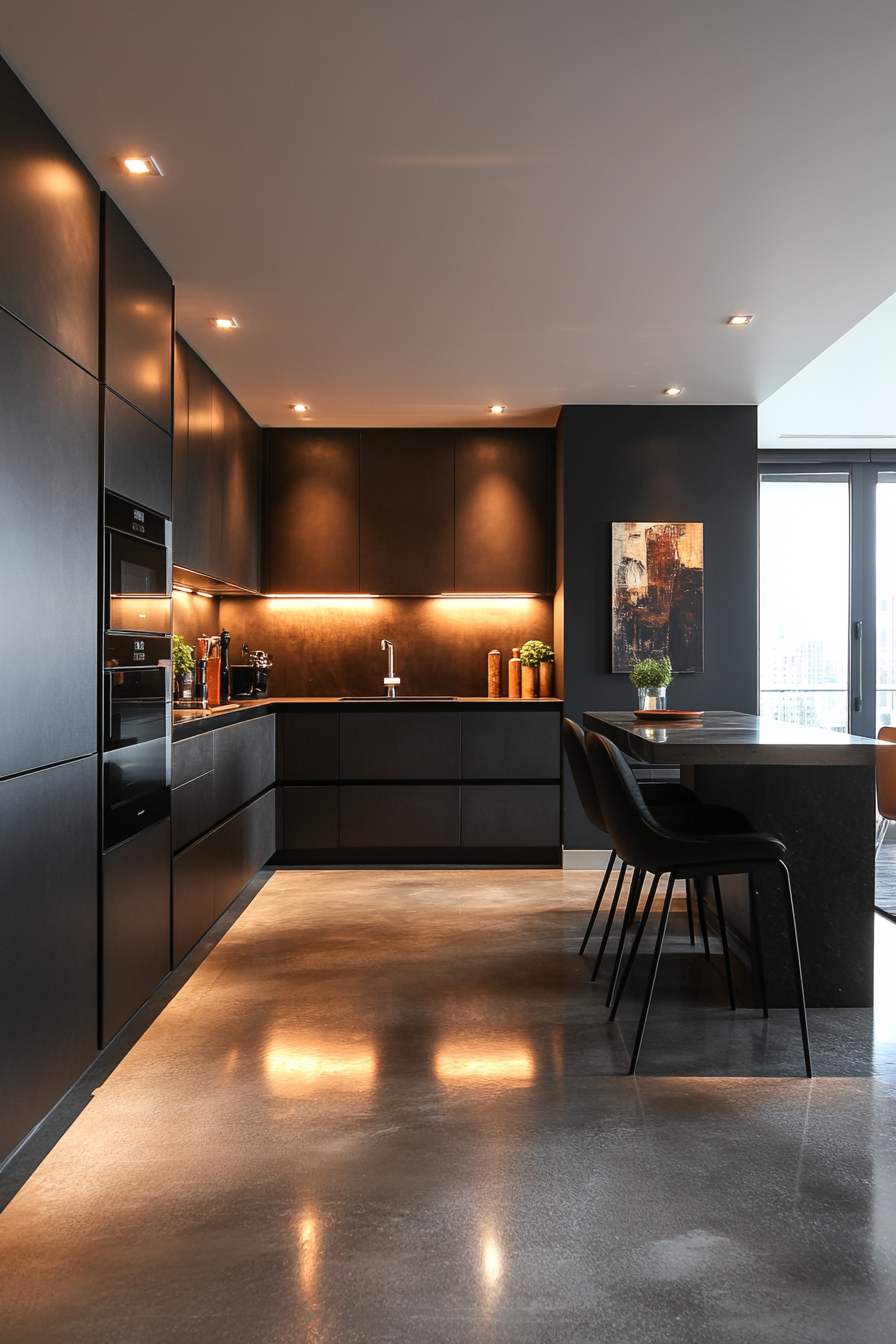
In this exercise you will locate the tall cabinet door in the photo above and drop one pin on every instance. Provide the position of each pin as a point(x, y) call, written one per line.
point(139, 319)
point(504, 509)
point(407, 511)
point(49, 228)
point(48, 553)
point(313, 481)
point(239, 451)
point(48, 951)
point(204, 517)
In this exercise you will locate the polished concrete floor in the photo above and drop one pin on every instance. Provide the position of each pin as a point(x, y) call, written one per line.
point(387, 1106)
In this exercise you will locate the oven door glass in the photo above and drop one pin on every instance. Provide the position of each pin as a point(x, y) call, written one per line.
point(138, 585)
point(136, 763)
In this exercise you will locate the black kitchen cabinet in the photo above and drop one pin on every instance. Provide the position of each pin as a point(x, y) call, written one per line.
point(49, 228)
point(136, 924)
point(313, 511)
point(307, 746)
point(136, 456)
point(510, 815)
point(393, 744)
point(244, 762)
point(399, 815)
point(209, 874)
point(407, 511)
point(192, 810)
point(48, 952)
point(309, 817)
point(48, 551)
point(497, 745)
point(139, 319)
point(217, 477)
point(503, 532)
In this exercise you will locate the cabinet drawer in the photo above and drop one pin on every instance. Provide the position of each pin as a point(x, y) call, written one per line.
point(245, 842)
point(395, 744)
point(399, 814)
point(511, 745)
point(192, 758)
point(244, 763)
point(193, 895)
point(308, 746)
point(510, 814)
point(192, 810)
point(309, 817)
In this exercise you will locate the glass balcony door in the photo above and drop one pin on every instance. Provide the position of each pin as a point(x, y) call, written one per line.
point(827, 594)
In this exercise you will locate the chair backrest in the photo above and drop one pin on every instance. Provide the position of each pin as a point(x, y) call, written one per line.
point(886, 773)
point(636, 835)
point(574, 745)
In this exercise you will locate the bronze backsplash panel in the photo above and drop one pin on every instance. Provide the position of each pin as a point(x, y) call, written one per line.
point(331, 646)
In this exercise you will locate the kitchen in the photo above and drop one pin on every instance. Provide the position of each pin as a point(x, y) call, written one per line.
point(345, 700)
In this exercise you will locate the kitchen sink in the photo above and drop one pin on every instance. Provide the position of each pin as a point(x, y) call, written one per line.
point(398, 700)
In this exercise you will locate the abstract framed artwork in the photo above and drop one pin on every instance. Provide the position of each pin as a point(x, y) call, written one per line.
point(658, 594)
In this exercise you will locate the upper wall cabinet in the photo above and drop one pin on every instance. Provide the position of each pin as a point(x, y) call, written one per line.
point(136, 456)
point(217, 476)
point(407, 511)
point(397, 511)
point(49, 228)
point(504, 511)
point(139, 319)
point(313, 502)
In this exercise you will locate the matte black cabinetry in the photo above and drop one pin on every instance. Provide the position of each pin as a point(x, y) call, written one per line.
point(49, 228)
point(510, 814)
point(385, 745)
point(48, 552)
point(410, 511)
point(48, 951)
point(498, 745)
point(217, 772)
point(139, 319)
point(313, 507)
point(504, 507)
point(217, 476)
point(136, 924)
point(407, 511)
point(399, 815)
point(308, 746)
point(136, 456)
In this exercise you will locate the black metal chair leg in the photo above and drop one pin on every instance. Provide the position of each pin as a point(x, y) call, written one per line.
point(701, 912)
point(631, 906)
point(636, 943)
point(687, 890)
point(600, 896)
point(757, 947)
point(648, 995)
point(611, 915)
point(723, 934)
point(797, 969)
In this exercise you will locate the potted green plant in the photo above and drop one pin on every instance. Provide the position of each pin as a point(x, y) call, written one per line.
point(540, 658)
point(182, 657)
point(651, 676)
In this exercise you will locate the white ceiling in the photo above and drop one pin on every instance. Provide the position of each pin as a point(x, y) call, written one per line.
point(418, 207)
point(846, 397)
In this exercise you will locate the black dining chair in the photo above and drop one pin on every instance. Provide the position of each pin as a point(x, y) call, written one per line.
point(657, 794)
point(667, 840)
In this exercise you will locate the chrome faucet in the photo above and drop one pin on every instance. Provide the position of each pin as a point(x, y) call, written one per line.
point(391, 681)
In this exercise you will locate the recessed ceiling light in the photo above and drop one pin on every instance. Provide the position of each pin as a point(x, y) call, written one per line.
point(300, 407)
point(672, 391)
point(141, 166)
point(497, 410)
point(740, 319)
point(226, 323)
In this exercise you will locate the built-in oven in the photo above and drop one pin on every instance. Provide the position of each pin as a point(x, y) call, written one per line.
point(138, 568)
point(136, 735)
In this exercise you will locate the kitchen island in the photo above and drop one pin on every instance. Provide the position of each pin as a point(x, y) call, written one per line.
point(813, 789)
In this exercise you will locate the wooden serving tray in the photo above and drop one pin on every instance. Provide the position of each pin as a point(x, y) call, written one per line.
point(664, 715)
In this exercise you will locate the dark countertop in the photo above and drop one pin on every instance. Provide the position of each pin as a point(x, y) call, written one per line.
point(726, 738)
point(187, 723)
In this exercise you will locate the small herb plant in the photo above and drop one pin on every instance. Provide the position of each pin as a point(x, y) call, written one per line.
point(534, 652)
point(650, 672)
point(182, 654)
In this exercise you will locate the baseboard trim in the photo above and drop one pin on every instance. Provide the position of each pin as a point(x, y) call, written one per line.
point(586, 860)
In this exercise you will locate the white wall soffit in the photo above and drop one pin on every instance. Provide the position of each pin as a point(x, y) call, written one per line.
point(845, 398)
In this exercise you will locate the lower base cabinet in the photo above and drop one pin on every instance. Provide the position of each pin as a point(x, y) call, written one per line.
point(48, 958)
point(136, 924)
point(210, 874)
point(510, 814)
point(390, 815)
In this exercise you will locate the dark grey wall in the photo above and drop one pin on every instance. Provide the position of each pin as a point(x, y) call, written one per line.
point(658, 464)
